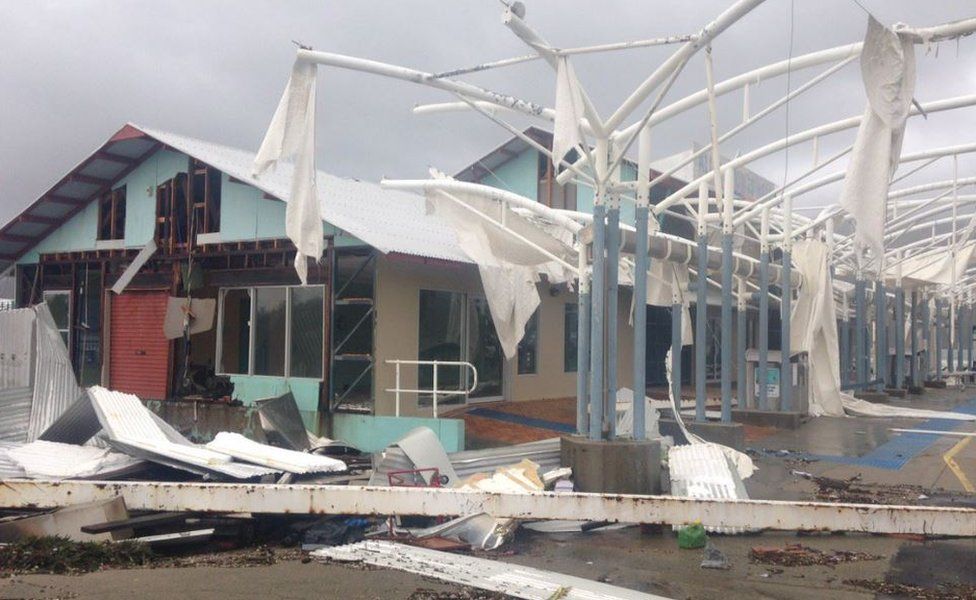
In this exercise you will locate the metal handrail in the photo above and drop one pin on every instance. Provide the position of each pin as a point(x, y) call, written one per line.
point(434, 392)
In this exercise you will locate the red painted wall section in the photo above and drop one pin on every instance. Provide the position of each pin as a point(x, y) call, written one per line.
point(139, 354)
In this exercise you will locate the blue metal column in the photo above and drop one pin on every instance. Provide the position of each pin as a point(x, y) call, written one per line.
point(726, 358)
point(640, 320)
point(613, 267)
point(763, 367)
point(598, 290)
point(701, 307)
point(676, 345)
point(960, 321)
point(923, 364)
point(582, 353)
point(845, 343)
point(948, 321)
point(938, 339)
point(786, 312)
point(914, 366)
point(899, 338)
point(880, 339)
point(740, 354)
point(860, 329)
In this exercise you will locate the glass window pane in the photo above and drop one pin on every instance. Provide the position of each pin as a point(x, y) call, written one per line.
point(570, 337)
point(528, 347)
point(306, 331)
point(236, 331)
point(484, 350)
point(269, 331)
point(441, 321)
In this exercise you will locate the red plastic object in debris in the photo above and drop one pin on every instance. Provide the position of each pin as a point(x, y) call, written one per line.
point(411, 477)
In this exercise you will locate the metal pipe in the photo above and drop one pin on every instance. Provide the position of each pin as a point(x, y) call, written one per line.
point(938, 339)
point(860, 326)
point(880, 335)
point(582, 347)
point(597, 312)
point(923, 365)
point(676, 347)
point(845, 342)
point(740, 355)
point(786, 313)
point(899, 337)
point(762, 375)
point(640, 284)
point(612, 267)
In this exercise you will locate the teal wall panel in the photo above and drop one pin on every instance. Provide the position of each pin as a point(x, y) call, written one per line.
point(140, 193)
point(519, 175)
point(374, 433)
point(78, 233)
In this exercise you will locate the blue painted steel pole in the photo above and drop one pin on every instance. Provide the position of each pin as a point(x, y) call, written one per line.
point(960, 346)
point(740, 354)
point(640, 320)
point(914, 366)
point(582, 353)
point(786, 311)
point(923, 364)
point(676, 346)
point(938, 339)
point(880, 337)
point(845, 342)
point(763, 367)
point(899, 338)
point(950, 314)
point(701, 307)
point(598, 290)
point(613, 268)
point(726, 333)
point(860, 329)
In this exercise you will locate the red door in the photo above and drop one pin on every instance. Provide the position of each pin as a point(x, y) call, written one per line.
point(140, 357)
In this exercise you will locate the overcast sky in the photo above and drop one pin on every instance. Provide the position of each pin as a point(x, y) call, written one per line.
point(72, 73)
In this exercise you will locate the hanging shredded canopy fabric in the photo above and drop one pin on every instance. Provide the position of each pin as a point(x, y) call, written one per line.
point(569, 110)
point(291, 136)
point(888, 73)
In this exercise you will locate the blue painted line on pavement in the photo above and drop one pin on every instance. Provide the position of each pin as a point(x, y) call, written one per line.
point(522, 420)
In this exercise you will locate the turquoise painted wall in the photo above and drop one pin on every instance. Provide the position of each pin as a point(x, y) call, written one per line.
point(518, 175)
point(251, 388)
point(245, 215)
point(372, 434)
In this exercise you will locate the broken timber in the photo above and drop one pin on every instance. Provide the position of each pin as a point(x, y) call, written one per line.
point(364, 500)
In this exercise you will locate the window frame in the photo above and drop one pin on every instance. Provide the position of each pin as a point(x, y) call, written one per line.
point(113, 198)
point(252, 331)
point(61, 292)
point(537, 315)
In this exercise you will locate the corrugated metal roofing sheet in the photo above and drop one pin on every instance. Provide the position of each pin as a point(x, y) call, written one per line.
point(16, 347)
point(290, 461)
point(704, 471)
point(388, 220)
point(51, 460)
point(55, 386)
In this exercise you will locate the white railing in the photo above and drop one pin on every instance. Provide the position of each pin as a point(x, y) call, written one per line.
point(435, 392)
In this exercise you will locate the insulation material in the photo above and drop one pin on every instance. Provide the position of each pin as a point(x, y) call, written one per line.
point(814, 327)
point(888, 73)
point(52, 460)
point(509, 268)
point(291, 135)
point(198, 313)
point(280, 459)
point(569, 110)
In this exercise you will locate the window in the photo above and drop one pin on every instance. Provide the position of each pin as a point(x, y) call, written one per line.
point(186, 206)
point(206, 198)
point(59, 303)
point(528, 347)
point(570, 337)
point(550, 192)
point(273, 331)
point(111, 215)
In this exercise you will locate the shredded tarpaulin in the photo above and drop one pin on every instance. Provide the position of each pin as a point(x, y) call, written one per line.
point(509, 267)
point(569, 110)
point(291, 136)
point(856, 407)
point(625, 415)
point(888, 72)
point(935, 267)
point(814, 327)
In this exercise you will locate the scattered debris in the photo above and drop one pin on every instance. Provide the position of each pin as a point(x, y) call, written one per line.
point(67, 523)
point(949, 591)
point(462, 593)
point(798, 555)
point(714, 558)
point(59, 555)
point(854, 490)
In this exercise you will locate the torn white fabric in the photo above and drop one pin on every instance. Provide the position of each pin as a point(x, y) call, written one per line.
point(935, 267)
point(625, 415)
point(888, 73)
point(291, 136)
point(569, 110)
point(856, 407)
point(814, 328)
point(509, 267)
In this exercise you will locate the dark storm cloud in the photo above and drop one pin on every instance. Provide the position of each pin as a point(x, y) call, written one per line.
point(72, 72)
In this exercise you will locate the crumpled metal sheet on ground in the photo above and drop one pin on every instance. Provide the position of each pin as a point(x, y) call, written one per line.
point(135, 430)
point(704, 471)
point(282, 422)
point(53, 460)
point(544, 453)
point(290, 461)
point(55, 386)
point(418, 449)
point(507, 578)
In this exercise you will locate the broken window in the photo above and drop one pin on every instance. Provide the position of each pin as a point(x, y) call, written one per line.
point(528, 348)
point(59, 303)
point(186, 206)
point(271, 331)
point(111, 215)
point(206, 198)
